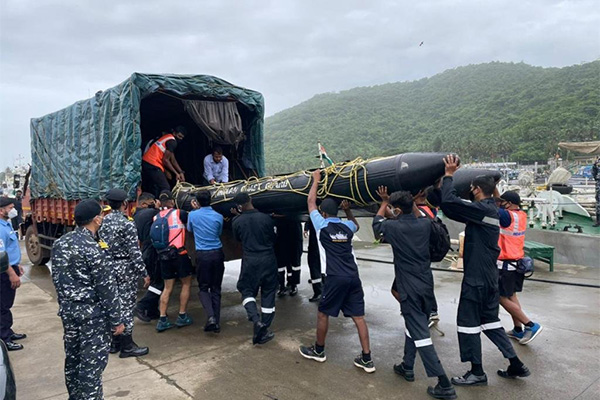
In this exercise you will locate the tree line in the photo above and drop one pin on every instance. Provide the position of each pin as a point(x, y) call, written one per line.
point(485, 112)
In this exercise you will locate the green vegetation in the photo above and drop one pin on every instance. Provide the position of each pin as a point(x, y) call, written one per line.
point(484, 112)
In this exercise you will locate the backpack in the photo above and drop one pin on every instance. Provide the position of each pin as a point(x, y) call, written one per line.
point(439, 240)
point(159, 232)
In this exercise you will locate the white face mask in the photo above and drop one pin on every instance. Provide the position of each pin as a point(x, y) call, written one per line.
point(12, 213)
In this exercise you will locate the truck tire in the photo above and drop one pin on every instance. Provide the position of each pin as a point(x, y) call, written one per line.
point(36, 253)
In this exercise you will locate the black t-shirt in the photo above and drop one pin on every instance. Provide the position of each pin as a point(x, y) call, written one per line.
point(256, 231)
point(409, 237)
point(143, 219)
point(481, 234)
point(171, 145)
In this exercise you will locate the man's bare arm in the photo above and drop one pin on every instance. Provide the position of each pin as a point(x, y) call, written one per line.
point(312, 194)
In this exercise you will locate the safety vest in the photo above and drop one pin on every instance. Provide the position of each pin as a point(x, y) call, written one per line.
point(176, 230)
point(427, 210)
point(155, 153)
point(512, 239)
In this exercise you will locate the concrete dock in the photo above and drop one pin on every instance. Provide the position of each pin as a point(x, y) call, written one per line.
point(188, 363)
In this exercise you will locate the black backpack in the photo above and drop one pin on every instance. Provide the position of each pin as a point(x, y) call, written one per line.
point(439, 240)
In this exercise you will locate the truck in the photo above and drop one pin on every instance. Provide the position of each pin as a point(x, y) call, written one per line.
point(87, 148)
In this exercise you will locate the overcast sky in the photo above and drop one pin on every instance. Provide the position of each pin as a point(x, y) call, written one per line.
point(53, 53)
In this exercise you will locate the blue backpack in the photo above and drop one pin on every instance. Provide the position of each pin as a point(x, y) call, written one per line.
point(159, 232)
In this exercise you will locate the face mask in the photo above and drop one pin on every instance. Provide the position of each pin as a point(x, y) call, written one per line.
point(12, 213)
point(471, 196)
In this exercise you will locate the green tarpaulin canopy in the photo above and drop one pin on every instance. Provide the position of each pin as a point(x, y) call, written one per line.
point(93, 145)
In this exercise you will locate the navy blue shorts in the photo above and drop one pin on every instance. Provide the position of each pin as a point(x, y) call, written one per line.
point(510, 282)
point(343, 293)
point(181, 267)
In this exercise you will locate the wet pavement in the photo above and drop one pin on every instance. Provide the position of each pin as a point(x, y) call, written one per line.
point(188, 363)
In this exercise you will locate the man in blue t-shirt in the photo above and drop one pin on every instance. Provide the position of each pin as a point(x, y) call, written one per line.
point(343, 288)
point(207, 226)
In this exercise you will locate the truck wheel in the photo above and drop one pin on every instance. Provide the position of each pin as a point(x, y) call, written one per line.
point(36, 253)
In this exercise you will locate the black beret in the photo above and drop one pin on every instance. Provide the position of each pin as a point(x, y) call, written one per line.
point(116, 195)
point(87, 210)
point(512, 197)
point(4, 201)
point(329, 206)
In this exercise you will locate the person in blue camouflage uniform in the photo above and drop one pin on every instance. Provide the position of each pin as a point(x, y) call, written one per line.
point(87, 300)
point(120, 233)
point(596, 175)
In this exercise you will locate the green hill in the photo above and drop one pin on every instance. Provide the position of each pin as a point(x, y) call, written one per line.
point(484, 112)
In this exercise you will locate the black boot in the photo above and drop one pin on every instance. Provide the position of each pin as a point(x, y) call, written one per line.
point(130, 349)
point(115, 344)
point(260, 330)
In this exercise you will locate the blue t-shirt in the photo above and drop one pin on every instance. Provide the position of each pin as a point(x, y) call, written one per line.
point(207, 225)
point(9, 242)
point(335, 245)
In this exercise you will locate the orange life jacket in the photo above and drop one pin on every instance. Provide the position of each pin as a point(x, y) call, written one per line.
point(512, 239)
point(155, 153)
point(176, 230)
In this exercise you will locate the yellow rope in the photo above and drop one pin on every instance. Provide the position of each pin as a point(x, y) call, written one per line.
point(331, 174)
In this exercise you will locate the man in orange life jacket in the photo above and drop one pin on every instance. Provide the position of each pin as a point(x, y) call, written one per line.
point(159, 155)
point(513, 223)
point(175, 264)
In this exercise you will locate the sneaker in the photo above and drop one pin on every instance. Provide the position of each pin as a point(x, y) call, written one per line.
point(162, 326)
point(469, 379)
point(293, 290)
point(512, 373)
point(439, 392)
point(185, 321)
point(282, 292)
point(515, 335)
point(368, 366)
point(311, 353)
point(408, 374)
point(531, 333)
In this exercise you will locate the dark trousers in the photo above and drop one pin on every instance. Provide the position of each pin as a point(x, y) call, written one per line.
point(86, 355)
point(416, 319)
point(292, 273)
point(598, 201)
point(210, 269)
point(151, 299)
point(259, 273)
point(478, 312)
point(7, 299)
point(154, 179)
point(314, 265)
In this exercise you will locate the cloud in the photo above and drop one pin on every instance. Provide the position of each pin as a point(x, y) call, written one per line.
point(53, 53)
